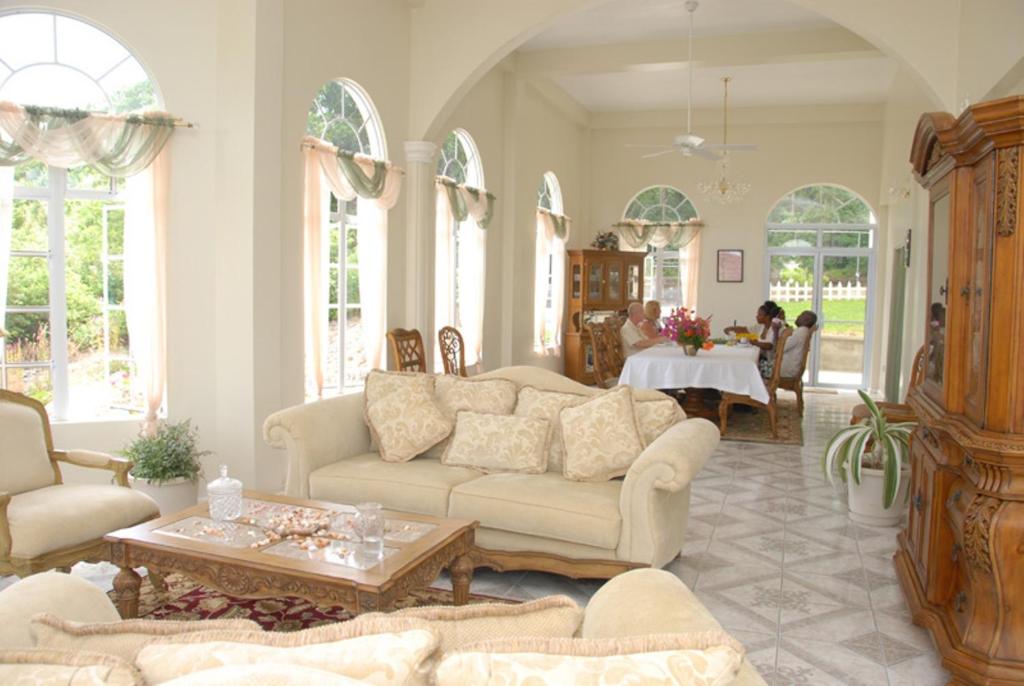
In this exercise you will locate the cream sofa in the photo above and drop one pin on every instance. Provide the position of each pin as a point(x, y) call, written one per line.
point(527, 521)
point(637, 603)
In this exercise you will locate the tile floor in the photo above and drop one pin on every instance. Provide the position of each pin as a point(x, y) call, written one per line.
point(772, 555)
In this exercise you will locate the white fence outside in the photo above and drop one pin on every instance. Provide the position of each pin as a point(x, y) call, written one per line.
point(790, 291)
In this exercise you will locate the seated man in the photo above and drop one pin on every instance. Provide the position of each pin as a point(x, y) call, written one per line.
point(792, 354)
point(633, 337)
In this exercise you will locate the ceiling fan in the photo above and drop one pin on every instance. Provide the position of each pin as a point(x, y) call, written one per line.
point(689, 143)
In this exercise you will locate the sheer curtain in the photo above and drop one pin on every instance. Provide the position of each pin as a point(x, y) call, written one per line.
point(444, 266)
point(145, 285)
point(313, 313)
point(552, 233)
point(689, 272)
point(6, 216)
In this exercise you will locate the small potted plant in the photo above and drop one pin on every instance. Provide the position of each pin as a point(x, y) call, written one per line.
point(166, 465)
point(871, 457)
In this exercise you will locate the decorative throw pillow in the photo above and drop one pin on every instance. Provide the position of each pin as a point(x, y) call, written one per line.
point(57, 667)
point(655, 417)
point(706, 659)
point(264, 674)
point(497, 443)
point(601, 437)
point(385, 651)
point(122, 639)
point(534, 402)
point(556, 616)
point(454, 394)
point(403, 418)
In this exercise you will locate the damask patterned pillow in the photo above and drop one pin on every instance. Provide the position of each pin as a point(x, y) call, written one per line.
point(497, 443)
point(486, 396)
point(655, 417)
point(534, 402)
point(403, 418)
point(706, 659)
point(66, 667)
point(600, 436)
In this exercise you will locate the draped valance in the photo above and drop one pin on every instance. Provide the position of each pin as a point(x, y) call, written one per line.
point(640, 234)
point(353, 175)
point(117, 145)
point(466, 201)
point(556, 225)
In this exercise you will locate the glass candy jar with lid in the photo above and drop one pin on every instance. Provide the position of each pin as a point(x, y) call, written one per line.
point(225, 496)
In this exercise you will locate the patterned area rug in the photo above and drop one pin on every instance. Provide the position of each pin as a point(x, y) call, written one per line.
point(751, 425)
point(187, 600)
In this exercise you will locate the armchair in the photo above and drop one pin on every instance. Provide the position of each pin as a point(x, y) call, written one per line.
point(44, 523)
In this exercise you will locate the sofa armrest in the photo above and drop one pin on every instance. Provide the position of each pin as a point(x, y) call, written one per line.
point(91, 459)
point(65, 595)
point(675, 457)
point(5, 526)
point(317, 434)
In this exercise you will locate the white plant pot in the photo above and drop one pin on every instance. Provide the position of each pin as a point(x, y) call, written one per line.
point(865, 499)
point(172, 496)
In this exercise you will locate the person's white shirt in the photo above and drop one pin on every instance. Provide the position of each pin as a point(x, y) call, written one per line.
point(792, 354)
point(631, 335)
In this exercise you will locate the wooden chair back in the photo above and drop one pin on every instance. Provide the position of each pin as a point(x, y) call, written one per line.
point(780, 347)
point(407, 354)
point(453, 350)
point(602, 361)
point(806, 352)
point(917, 370)
point(613, 338)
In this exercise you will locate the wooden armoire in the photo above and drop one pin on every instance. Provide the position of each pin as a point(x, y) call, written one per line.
point(961, 558)
point(600, 282)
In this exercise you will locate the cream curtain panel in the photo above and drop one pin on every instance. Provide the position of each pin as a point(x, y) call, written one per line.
point(472, 209)
point(552, 234)
point(349, 176)
point(132, 146)
point(689, 273)
point(639, 234)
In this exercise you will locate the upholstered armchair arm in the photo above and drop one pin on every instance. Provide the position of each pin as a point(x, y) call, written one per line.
point(317, 434)
point(655, 497)
point(5, 527)
point(91, 459)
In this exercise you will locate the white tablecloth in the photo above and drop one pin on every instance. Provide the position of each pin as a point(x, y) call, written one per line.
point(723, 368)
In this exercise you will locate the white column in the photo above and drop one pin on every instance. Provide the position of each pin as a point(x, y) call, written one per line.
point(420, 171)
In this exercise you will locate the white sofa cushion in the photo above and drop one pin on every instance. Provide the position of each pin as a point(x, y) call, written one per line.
point(402, 415)
point(655, 417)
point(24, 462)
point(497, 443)
point(601, 437)
point(536, 402)
point(544, 505)
point(485, 396)
point(57, 517)
point(421, 486)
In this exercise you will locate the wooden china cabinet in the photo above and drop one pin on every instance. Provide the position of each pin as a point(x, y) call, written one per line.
point(961, 558)
point(599, 283)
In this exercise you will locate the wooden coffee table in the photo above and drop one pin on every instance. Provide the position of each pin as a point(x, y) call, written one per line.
point(241, 559)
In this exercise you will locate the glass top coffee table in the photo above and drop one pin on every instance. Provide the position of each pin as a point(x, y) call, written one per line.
point(283, 546)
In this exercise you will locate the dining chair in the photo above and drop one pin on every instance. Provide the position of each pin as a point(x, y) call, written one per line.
point(613, 337)
point(453, 350)
point(603, 374)
point(897, 412)
point(796, 383)
point(771, 385)
point(44, 523)
point(407, 354)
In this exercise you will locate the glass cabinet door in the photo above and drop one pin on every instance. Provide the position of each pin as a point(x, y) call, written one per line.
point(577, 280)
point(633, 282)
point(938, 295)
point(595, 275)
point(614, 290)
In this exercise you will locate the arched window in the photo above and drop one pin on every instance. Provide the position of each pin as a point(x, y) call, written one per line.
point(459, 250)
point(343, 115)
point(670, 275)
point(820, 243)
point(549, 281)
point(67, 338)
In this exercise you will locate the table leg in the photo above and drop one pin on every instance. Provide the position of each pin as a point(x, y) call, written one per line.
point(126, 586)
point(462, 574)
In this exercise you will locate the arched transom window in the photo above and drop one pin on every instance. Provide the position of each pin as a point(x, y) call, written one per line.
point(549, 193)
point(343, 115)
point(460, 160)
point(67, 341)
point(665, 270)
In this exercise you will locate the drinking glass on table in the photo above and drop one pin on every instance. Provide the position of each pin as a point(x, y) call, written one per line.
point(369, 526)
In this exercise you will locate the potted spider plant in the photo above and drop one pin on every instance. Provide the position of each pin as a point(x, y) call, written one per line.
point(871, 458)
point(166, 465)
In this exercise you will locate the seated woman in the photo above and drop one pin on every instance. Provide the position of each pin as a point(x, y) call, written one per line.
point(651, 326)
point(769, 324)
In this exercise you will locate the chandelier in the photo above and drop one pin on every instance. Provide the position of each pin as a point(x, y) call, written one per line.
point(722, 190)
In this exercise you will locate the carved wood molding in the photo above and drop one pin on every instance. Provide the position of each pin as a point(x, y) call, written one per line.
point(1007, 190)
point(506, 561)
point(977, 529)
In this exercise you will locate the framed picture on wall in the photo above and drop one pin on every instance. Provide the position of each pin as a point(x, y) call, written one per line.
point(730, 266)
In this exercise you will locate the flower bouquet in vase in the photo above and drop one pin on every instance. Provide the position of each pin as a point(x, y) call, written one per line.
point(688, 330)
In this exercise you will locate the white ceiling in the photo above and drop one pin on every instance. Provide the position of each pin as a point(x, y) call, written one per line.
point(795, 83)
point(803, 78)
point(624, 21)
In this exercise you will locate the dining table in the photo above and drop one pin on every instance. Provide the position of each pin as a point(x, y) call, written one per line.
point(732, 369)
